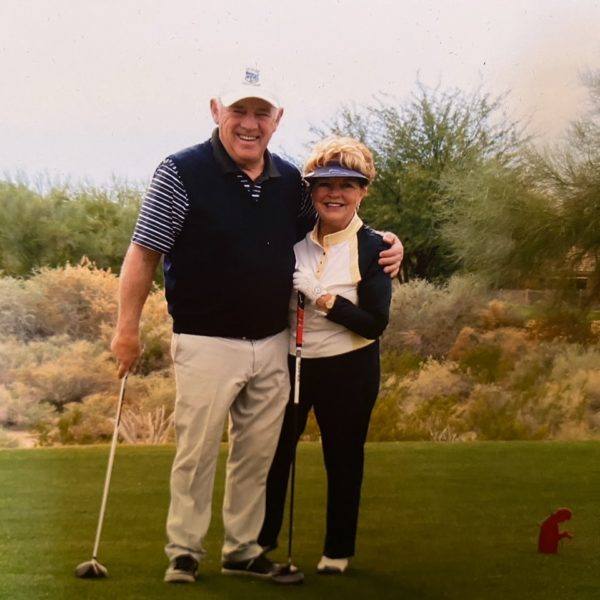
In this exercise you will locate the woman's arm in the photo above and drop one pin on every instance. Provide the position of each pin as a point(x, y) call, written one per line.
point(371, 316)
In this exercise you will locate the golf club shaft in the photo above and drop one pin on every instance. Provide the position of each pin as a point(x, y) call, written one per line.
point(109, 468)
point(299, 335)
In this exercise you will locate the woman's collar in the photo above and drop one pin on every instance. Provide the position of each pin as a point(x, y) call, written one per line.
point(338, 237)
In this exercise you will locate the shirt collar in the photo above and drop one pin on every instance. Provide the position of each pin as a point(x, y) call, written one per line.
point(339, 236)
point(228, 165)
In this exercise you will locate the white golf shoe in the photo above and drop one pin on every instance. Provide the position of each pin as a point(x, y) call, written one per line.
point(332, 566)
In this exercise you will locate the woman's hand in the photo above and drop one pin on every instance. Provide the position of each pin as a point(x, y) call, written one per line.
point(306, 282)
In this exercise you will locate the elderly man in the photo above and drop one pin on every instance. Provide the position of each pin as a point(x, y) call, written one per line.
point(225, 214)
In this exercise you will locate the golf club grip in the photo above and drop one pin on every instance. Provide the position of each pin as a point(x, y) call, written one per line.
point(111, 459)
point(299, 321)
point(299, 336)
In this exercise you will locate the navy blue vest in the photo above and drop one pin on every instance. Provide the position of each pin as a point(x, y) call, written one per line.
point(229, 273)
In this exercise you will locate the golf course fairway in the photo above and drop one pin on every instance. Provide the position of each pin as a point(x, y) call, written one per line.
point(437, 521)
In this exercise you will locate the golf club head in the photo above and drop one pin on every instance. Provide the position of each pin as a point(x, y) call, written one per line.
point(91, 569)
point(288, 574)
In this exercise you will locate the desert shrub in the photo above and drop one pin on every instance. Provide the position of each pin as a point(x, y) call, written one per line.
point(434, 380)
point(80, 302)
point(512, 342)
point(428, 402)
point(14, 353)
point(383, 426)
point(86, 422)
point(75, 370)
point(76, 300)
point(385, 417)
point(502, 386)
point(489, 355)
point(574, 384)
point(18, 313)
point(426, 318)
point(435, 419)
point(494, 414)
point(146, 417)
point(532, 369)
point(7, 440)
point(399, 364)
point(561, 321)
point(573, 358)
point(21, 409)
point(485, 363)
point(552, 392)
point(499, 314)
point(80, 369)
point(386, 414)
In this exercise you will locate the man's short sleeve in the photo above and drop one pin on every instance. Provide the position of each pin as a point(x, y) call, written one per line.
point(163, 210)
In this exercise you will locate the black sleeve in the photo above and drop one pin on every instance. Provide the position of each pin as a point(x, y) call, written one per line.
point(371, 316)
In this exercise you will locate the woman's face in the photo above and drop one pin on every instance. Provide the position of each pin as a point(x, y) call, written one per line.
point(336, 199)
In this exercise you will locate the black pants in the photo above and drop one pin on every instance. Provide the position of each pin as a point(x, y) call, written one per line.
point(342, 390)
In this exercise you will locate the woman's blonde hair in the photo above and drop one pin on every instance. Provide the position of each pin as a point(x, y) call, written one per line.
point(345, 151)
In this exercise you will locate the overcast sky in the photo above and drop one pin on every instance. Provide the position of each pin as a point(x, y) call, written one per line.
point(90, 89)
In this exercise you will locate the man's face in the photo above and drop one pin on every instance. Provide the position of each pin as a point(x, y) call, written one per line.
point(245, 128)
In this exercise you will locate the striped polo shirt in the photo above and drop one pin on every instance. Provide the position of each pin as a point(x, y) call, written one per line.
point(166, 204)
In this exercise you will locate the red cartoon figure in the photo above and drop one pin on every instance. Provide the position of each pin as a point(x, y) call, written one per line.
point(549, 533)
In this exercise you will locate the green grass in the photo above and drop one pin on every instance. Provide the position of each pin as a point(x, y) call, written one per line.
point(437, 521)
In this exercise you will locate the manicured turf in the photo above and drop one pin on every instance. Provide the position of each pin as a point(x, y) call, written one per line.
point(437, 521)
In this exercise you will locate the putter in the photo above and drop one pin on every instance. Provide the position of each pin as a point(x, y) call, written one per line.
point(289, 574)
point(93, 569)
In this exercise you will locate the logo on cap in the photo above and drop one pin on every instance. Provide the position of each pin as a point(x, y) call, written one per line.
point(252, 76)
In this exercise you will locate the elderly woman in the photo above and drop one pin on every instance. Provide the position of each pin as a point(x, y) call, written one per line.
point(348, 298)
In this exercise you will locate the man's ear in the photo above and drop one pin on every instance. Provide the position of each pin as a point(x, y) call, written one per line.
point(278, 117)
point(215, 109)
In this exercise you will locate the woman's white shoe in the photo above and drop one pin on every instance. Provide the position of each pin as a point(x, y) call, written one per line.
point(332, 566)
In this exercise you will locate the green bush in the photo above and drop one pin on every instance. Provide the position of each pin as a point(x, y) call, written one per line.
point(64, 224)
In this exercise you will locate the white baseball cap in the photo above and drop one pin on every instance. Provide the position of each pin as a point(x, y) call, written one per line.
point(249, 85)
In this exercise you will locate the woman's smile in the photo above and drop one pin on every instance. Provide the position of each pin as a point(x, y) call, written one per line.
point(336, 200)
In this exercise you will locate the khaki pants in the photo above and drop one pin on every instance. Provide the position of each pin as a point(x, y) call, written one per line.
point(216, 377)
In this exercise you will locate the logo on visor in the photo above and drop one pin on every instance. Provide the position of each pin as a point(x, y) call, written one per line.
point(252, 76)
